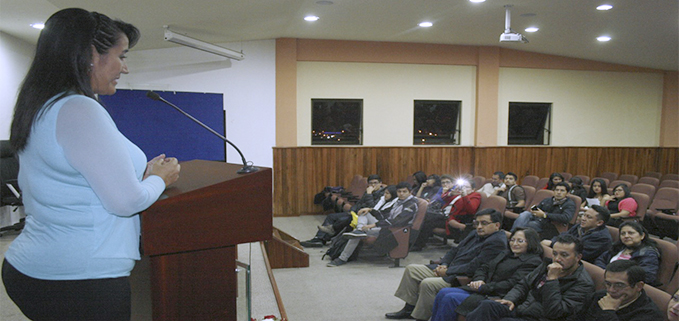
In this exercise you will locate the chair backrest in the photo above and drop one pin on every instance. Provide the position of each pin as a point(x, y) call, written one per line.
point(479, 181)
point(584, 178)
point(615, 233)
point(530, 193)
point(644, 189)
point(618, 182)
point(419, 216)
point(629, 177)
point(578, 201)
point(659, 297)
point(566, 176)
point(674, 177)
point(542, 183)
point(668, 261)
point(665, 198)
point(597, 275)
point(530, 180)
point(495, 202)
point(358, 185)
point(642, 204)
point(610, 176)
point(657, 175)
point(539, 196)
point(669, 183)
point(406, 236)
point(649, 180)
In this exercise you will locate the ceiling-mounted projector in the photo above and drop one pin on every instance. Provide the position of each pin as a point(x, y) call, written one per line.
point(509, 35)
point(202, 45)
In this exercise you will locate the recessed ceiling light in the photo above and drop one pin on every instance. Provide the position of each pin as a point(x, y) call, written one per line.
point(425, 24)
point(324, 2)
point(603, 38)
point(532, 29)
point(477, 1)
point(38, 25)
point(311, 18)
point(604, 7)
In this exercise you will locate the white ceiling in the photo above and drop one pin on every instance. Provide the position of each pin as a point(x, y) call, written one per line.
point(645, 32)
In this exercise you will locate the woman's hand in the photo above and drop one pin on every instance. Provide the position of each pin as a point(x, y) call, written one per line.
point(476, 285)
point(166, 168)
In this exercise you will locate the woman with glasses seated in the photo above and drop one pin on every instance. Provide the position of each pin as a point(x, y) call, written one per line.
point(634, 245)
point(492, 279)
point(621, 204)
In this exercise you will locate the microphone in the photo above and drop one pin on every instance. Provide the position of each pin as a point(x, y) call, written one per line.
point(247, 166)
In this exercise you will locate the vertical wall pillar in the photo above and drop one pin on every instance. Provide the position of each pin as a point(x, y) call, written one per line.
point(669, 116)
point(487, 85)
point(286, 92)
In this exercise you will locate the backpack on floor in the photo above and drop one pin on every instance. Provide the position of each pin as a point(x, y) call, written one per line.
point(337, 246)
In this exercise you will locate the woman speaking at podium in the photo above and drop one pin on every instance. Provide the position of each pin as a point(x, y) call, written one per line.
point(83, 182)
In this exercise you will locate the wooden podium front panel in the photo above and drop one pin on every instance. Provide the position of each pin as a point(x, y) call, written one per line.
point(199, 285)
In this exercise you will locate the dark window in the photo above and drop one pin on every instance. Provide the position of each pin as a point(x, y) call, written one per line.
point(529, 123)
point(336, 121)
point(437, 122)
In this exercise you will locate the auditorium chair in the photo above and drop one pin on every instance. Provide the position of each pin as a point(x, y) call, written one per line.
point(660, 298)
point(610, 176)
point(664, 224)
point(669, 183)
point(510, 216)
point(479, 181)
point(495, 202)
point(644, 189)
point(566, 176)
point(657, 175)
point(530, 180)
point(615, 233)
point(618, 182)
point(642, 205)
point(629, 177)
point(668, 263)
point(673, 177)
point(649, 180)
point(542, 183)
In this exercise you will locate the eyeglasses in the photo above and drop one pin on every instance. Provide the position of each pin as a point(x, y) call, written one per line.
point(483, 223)
point(520, 241)
point(615, 286)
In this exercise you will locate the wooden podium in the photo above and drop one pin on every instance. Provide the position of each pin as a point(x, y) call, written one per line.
point(191, 234)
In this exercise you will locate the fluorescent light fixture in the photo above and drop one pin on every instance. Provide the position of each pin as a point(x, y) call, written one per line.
point(202, 45)
point(604, 7)
point(532, 29)
point(38, 25)
point(311, 18)
point(603, 38)
point(477, 1)
point(425, 24)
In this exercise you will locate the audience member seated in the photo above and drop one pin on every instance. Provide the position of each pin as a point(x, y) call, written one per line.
point(336, 222)
point(554, 291)
point(554, 179)
point(492, 279)
point(673, 308)
point(430, 187)
point(420, 283)
point(558, 208)
point(494, 185)
point(598, 192)
point(452, 208)
point(634, 245)
point(592, 232)
point(624, 298)
point(513, 193)
point(578, 190)
point(372, 220)
point(621, 204)
point(420, 178)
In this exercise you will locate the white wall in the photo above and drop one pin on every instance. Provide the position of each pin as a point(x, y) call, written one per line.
point(589, 108)
point(248, 87)
point(15, 59)
point(388, 92)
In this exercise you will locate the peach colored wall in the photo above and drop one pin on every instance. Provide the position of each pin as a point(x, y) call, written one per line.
point(286, 92)
point(669, 125)
point(487, 96)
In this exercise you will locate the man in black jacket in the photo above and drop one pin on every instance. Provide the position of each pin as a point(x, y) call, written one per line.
point(624, 298)
point(593, 233)
point(553, 291)
point(559, 208)
point(420, 283)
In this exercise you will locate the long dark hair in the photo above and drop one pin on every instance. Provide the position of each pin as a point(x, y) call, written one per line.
point(61, 66)
point(392, 191)
point(625, 189)
point(550, 183)
point(646, 241)
point(604, 188)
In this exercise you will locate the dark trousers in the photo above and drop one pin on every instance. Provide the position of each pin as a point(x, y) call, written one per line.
point(431, 221)
point(95, 299)
point(338, 221)
point(489, 310)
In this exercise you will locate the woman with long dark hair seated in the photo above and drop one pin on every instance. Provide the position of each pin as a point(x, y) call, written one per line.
point(554, 179)
point(621, 204)
point(494, 278)
point(635, 245)
point(597, 191)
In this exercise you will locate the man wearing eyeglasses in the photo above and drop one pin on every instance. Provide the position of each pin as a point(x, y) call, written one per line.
point(553, 291)
point(420, 283)
point(624, 298)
